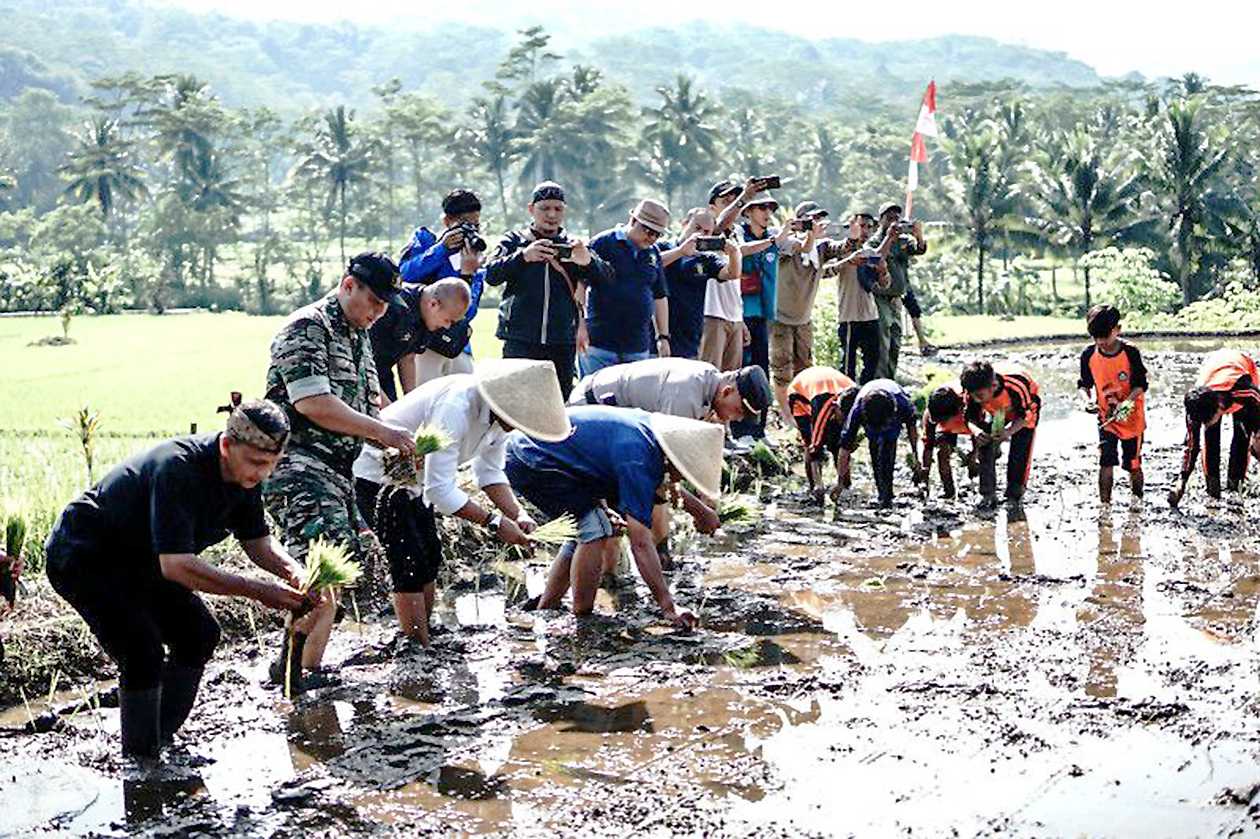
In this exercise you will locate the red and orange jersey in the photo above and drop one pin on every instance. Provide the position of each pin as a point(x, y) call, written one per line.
point(815, 381)
point(1113, 378)
point(1223, 370)
point(1017, 394)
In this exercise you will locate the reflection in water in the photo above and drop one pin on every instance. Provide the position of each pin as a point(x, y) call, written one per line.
point(146, 799)
point(597, 719)
point(1113, 608)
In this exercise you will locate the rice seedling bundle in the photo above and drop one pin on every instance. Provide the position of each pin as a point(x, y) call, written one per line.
point(429, 439)
point(328, 565)
point(556, 532)
point(999, 423)
point(732, 511)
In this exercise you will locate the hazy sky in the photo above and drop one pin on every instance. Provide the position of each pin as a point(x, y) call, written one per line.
point(1215, 39)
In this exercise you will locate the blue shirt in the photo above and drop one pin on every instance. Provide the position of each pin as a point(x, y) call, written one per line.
point(856, 420)
point(611, 450)
point(687, 279)
point(427, 260)
point(765, 266)
point(619, 313)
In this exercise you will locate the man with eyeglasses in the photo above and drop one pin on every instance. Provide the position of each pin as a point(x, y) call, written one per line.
point(628, 317)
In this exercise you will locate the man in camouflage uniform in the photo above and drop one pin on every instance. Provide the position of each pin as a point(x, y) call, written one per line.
point(323, 375)
point(908, 242)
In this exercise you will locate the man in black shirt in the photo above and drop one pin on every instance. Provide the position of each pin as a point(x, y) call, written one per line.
point(124, 555)
point(687, 275)
point(401, 333)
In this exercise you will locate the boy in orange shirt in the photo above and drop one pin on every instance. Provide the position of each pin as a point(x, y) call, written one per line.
point(1114, 371)
point(820, 398)
point(943, 424)
point(1011, 391)
point(1228, 383)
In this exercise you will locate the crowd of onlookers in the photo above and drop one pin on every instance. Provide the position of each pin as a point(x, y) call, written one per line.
point(732, 283)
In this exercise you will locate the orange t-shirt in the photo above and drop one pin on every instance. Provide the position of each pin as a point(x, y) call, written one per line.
point(1222, 369)
point(954, 425)
point(1017, 395)
point(815, 381)
point(1113, 378)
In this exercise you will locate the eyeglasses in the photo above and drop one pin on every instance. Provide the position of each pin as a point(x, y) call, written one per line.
point(649, 232)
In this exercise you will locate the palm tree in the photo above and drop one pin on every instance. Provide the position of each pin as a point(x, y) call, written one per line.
point(542, 129)
point(980, 189)
point(491, 141)
point(824, 158)
point(1087, 199)
point(683, 129)
point(1186, 173)
point(100, 169)
point(422, 125)
point(339, 160)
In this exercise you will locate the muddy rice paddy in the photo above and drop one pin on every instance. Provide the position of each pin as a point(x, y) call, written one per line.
point(1075, 670)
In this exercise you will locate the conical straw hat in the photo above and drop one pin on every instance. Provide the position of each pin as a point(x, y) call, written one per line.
point(694, 448)
point(526, 395)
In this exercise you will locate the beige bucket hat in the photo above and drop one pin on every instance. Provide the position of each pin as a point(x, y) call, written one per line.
point(526, 394)
point(694, 448)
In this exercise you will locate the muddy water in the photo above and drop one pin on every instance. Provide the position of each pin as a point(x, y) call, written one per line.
point(1073, 671)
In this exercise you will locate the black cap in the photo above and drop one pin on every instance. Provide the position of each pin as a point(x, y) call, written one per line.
point(460, 201)
point(547, 191)
point(891, 205)
point(754, 388)
point(379, 273)
point(724, 187)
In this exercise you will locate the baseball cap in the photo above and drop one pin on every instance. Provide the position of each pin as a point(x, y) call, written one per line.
point(754, 388)
point(891, 205)
point(379, 273)
point(651, 214)
point(723, 187)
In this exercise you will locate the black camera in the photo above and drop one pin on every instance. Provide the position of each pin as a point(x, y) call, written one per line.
point(472, 239)
point(564, 250)
point(710, 243)
point(905, 226)
point(769, 182)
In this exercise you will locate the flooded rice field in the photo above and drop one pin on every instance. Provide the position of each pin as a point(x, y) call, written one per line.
point(1071, 670)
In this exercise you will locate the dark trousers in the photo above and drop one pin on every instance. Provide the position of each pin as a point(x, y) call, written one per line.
point(860, 336)
point(134, 618)
point(560, 355)
point(883, 463)
point(1238, 456)
point(913, 309)
point(757, 352)
point(1018, 465)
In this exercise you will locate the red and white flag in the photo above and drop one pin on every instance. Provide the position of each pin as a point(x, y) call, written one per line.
point(925, 127)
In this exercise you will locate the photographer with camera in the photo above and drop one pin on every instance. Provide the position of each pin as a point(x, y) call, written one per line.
point(624, 313)
point(458, 252)
point(727, 199)
point(544, 273)
point(908, 242)
point(696, 259)
point(857, 315)
point(801, 261)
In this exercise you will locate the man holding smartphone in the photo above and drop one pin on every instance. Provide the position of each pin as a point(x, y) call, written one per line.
point(698, 258)
point(907, 242)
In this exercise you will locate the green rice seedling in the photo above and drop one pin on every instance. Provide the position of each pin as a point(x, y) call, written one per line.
point(1122, 411)
point(328, 565)
point(14, 540)
point(999, 423)
point(85, 425)
point(764, 456)
point(429, 439)
point(556, 532)
point(734, 510)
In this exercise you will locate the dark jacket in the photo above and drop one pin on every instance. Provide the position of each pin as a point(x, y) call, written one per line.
point(538, 305)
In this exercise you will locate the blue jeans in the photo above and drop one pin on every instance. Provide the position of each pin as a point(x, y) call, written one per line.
point(597, 358)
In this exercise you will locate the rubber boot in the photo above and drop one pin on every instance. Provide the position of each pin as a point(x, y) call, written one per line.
point(139, 721)
point(179, 691)
point(291, 681)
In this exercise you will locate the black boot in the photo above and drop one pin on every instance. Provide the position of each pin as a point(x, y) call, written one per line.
point(139, 721)
point(291, 681)
point(179, 691)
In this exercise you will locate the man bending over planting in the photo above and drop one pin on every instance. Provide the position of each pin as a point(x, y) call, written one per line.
point(125, 556)
point(470, 414)
point(618, 463)
point(679, 387)
point(1228, 383)
point(882, 408)
point(820, 399)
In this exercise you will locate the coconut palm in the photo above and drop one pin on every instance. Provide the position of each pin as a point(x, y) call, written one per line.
point(100, 169)
point(680, 138)
point(339, 160)
point(1087, 198)
point(491, 141)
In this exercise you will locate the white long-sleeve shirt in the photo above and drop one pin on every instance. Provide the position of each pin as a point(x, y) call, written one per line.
point(453, 404)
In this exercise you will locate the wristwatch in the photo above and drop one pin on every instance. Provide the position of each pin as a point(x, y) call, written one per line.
point(660, 338)
point(494, 521)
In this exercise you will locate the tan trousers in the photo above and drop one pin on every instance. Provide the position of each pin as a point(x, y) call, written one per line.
point(722, 343)
point(431, 365)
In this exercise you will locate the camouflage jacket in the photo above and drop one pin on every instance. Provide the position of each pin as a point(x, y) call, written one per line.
point(898, 263)
point(317, 351)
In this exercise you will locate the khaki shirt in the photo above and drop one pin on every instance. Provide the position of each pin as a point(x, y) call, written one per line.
point(855, 304)
point(318, 352)
point(798, 280)
point(676, 386)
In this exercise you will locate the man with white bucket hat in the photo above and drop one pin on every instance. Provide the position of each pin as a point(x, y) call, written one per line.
point(472, 413)
point(610, 472)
